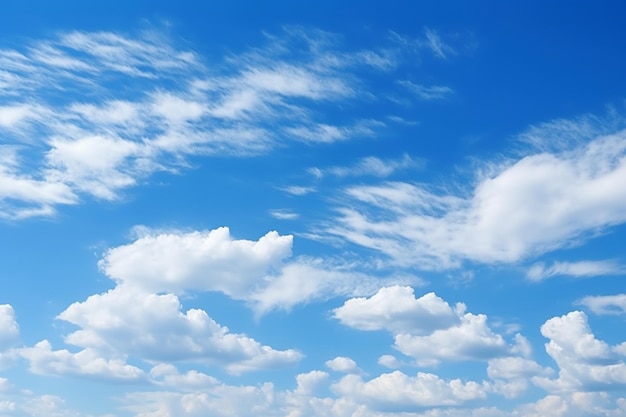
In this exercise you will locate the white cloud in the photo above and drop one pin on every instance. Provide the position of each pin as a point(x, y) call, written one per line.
point(512, 374)
point(12, 116)
point(313, 279)
point(403, 393)
point(578, 191)
point(472, 339)
point(389, 361)
point(298, 190)
point(9, 329)
point(206, 261)
point(438, 47)
point(284, 214)
point(342, 364)
point(585, 363)
point(153, 327)
point(431, 41)
point(324, 133)
point(605, 304)
point(43, 360)
point(309, 382)
point(577, 404)
point(433, 92)
point(427, 328)
point(222, 400)
point(172, 107)
point(370, 165)
point(397, 310)
point(582, 269)
point(258, 272)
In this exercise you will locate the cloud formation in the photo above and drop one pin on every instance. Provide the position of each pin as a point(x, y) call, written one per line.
point(578, 191)
point(90, 114)
point(426, 329)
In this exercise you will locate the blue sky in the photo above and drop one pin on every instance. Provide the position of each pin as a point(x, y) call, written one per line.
point(360, 209)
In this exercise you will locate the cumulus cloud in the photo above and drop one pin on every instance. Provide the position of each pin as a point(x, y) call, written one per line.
point(577, 189)
point(400, 392)
point(577, 404)
point(46, 361)
point(342, 364)
point(19, 402)
point(472, 339)
point(512, 374)
point(205, 261)
point(585, 362)
point(426, 328)
point(257, 272)
point(396, 309)
point(9, 329)
point(153, 327)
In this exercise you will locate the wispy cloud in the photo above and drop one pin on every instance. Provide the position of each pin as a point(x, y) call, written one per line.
point(298, 190)
point(284, 214)
point(580, 269)
point(433, 92)
point(96, 112)
point(577, 190)
point(438, 47)
point(605, 304)
point(370, 165)
point(431, 41)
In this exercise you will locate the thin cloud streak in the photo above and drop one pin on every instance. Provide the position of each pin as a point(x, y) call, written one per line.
point(172, 106)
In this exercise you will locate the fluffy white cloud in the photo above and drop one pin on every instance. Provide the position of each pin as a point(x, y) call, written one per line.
point(308, 279)
point(389, 361)
point(342, 364)
point(308, 383)
point(512, 367)
point(206, 261)
point(578, 191)
point(577, 404)
point(9, 329)
point(222, 400)
point(397, 310)
point(585, 363)
point(44, 360)
point(427, 328)
point(400, 392)
point(257, 272)
point(472, 339)
point(539, 271)
point(153, 327)
point(605, 304)
point(511, 374)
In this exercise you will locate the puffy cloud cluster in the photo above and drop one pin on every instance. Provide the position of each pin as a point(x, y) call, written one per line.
point(142, 317)
point(585, 362)
point(153, 327)
point(257, 272)
point(425, 328)
point(9, 329)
